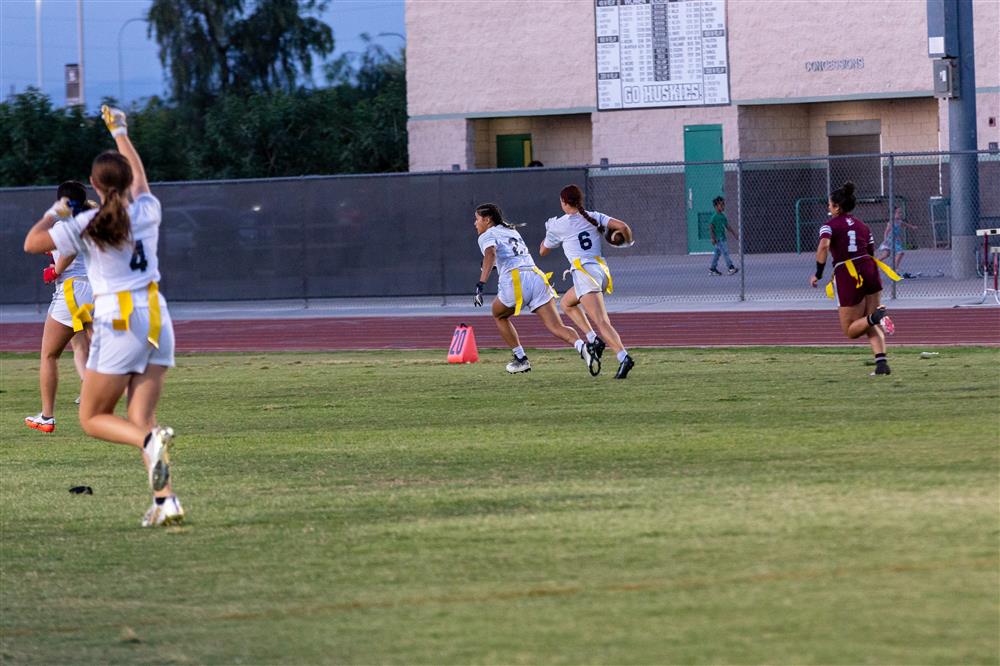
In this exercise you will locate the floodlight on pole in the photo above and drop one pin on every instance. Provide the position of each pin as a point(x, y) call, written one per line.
point(121, 75)
point(38, 43)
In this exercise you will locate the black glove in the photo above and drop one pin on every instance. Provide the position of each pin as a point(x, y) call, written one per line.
point(478, 300)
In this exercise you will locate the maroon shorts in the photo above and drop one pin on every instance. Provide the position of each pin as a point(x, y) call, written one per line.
point(848, 291)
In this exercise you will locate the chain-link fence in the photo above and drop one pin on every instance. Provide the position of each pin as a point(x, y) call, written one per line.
point(412, 234)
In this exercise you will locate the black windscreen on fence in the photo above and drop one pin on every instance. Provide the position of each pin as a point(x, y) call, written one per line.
point(412, 234)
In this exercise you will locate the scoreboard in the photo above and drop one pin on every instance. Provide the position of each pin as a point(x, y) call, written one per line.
point(655, 53)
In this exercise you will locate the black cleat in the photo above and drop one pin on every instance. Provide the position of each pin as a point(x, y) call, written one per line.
point(881, 368)
point(598, 349)
point(875, 318)
point(592, 358)
point(624, 367)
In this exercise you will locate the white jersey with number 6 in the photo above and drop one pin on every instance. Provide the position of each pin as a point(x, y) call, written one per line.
point(133, 265)
point(511, 250)
point(579, 238)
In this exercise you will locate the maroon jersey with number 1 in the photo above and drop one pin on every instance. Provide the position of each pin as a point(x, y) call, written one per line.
point(850, 238)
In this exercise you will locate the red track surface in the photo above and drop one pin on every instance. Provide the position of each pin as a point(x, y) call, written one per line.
point(659, 329)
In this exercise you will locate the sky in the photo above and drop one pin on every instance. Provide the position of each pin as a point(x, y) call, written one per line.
point(141, 73)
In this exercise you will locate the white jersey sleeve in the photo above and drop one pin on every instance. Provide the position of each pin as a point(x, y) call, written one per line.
point(552, 238)
point(66, 233)
point(512, 252)
point(578, 237)
point(487, 240)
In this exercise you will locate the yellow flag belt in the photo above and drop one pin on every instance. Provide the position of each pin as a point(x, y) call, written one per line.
point(515, 276)
point(578, 265)
point(853, 272)
point(125, 308)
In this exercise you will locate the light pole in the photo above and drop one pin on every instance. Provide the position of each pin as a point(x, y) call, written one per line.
point(79, 47)
point(394, 34)
point(121, 75)
point(38, 43)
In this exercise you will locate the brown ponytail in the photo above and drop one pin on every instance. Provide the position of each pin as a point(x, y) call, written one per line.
point(572, 196)
point(112, 176)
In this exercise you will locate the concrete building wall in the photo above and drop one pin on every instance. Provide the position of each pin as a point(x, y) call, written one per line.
point(490, 62)
point(439, 144)
point(556, 140)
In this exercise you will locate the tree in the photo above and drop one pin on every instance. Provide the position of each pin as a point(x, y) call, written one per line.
point(215, 47)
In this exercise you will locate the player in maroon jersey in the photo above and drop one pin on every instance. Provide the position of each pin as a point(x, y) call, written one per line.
point(855, 274)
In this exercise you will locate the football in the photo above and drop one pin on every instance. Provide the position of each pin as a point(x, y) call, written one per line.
point(618, 238)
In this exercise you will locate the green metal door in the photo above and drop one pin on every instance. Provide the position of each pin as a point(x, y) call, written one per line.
point(513, 150)
point(702, 182)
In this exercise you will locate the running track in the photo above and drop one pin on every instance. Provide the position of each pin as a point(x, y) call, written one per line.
point(975, 326)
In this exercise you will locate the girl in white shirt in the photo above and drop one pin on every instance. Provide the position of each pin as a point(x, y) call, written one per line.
point(520, 285)
point(68, 318)
point(133, 342)
point(580, 232)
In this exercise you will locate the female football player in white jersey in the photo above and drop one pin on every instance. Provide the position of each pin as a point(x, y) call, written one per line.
point(68, 319)
point(520, 285)
point(579, 232)
point(133, 341)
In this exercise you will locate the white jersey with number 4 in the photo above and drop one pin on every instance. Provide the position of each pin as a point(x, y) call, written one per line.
point(579, 238)
point(132, 266)
point(511, 250)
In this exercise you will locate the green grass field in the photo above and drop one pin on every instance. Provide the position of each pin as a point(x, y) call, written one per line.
point(720, 506)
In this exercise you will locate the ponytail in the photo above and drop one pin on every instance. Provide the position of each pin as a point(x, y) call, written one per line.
point(572, 196)
point(492, 212)
point(844, 197)
point(112, 177)
point(111, 226)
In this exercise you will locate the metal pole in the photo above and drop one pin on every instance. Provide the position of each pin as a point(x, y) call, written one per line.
point(121, 75)
point(739, 228)
point(79, 47)
point(892, 219)
point(38, 43)
point(964, 168)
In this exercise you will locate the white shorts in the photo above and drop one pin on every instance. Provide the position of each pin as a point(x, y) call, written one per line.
point(593, 280)
point(59, 310)
point(534, 292)
point(125, 352)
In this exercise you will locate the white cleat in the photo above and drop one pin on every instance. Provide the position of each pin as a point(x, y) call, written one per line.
point(519, 365)
point(169, 513)
point(158, 457)
point(38, 422)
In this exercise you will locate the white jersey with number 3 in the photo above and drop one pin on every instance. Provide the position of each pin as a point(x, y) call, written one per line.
point(579, 238)
point(511, 250)
point(133, 265)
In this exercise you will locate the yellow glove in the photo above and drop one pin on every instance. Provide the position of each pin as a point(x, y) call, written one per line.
point(60, 209)
point(115, 120)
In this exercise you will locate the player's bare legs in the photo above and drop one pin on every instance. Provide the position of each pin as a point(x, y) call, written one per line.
point(876, 337)
point(144, 394)
point(54, 339)
point(550, 317)
point(81, 349)
point(571, 306)
point(594, 303)
point(501, 315)
point(98, 398)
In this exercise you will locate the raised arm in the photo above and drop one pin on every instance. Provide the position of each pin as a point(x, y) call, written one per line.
point(39, 240)
point(115, 121)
